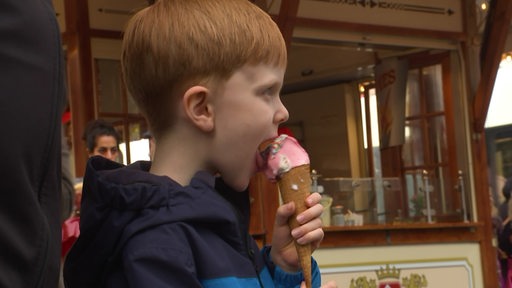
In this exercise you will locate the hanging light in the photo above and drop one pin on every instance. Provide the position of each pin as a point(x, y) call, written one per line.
point(506, 59)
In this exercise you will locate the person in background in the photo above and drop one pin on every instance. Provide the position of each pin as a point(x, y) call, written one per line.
point(207, 76)
point(502, 223)
point(102, 139)
point(32, 99)
point(505, 191)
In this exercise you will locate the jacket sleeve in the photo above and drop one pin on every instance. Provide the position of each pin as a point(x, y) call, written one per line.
point(284, 279)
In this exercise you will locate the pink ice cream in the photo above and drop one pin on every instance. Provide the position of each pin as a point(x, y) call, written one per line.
point(281, 155)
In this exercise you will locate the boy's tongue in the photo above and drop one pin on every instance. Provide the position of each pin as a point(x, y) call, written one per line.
point(280, 155)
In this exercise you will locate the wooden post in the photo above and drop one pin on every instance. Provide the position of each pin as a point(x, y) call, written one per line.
point(496, 30)
point(80, 76)
point(286, 19)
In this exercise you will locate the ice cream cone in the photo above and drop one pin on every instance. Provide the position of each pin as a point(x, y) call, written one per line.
point(285, 161)
point(295, 185)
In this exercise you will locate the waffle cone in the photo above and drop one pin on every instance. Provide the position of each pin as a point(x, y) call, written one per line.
point(295, 185)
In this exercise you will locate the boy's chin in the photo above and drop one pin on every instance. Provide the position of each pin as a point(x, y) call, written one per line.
point(237, 184)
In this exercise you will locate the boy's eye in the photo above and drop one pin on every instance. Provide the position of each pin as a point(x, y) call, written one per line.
point(270, 91)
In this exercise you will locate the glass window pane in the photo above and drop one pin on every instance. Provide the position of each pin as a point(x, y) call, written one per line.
point(412, 96)
point(437, 136)
point(132, 107)
point(441, 198)
point(413, 184)
point(412, 153)
point(433, 87)
point(439, 195)
point(139, 147)
point(108, 85)
point(503, 156)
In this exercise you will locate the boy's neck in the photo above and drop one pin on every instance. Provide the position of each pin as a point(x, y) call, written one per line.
point(178, 161)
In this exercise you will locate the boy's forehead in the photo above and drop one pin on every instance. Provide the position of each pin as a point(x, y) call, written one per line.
point(262, 71)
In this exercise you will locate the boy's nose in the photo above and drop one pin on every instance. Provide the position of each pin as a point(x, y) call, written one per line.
point(282, 114)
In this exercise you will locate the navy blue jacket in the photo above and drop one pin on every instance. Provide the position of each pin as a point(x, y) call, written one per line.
point(142, 230)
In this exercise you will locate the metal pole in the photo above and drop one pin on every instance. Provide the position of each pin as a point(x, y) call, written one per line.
point(463, 196)
point(427, 195)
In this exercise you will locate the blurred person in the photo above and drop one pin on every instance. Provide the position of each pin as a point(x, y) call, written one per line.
point(505, 192)
point(31, 106)
point(102, 139)
point(504, 232)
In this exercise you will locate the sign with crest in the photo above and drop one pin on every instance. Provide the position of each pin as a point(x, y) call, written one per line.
point(450, 273)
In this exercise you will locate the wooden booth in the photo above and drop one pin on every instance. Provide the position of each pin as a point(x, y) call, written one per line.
point(388, 97)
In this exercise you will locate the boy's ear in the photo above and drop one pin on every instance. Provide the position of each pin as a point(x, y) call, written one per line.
point(197, 106)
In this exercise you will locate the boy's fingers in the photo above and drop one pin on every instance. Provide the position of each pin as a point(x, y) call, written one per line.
point(284, 212)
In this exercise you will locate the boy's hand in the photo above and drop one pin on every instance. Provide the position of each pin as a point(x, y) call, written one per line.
point(283, 251)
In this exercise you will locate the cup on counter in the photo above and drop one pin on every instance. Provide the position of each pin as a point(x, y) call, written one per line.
point(326, 201)
point(338, 219)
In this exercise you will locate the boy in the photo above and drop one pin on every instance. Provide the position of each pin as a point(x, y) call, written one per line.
point(207, 76)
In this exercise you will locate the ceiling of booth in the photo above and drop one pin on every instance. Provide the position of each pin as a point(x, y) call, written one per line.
point(309, 60)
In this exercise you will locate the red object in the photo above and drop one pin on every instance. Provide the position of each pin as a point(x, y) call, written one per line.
point(66, 117)
point(394, 284)
point(285, 130)
point(70, 232)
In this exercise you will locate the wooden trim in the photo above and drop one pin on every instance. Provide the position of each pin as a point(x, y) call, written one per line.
point(129, 117)
point(271, 203)
point(483, 206)
point(256, 193)
point(370, 28)
point(455, 200)
point(286, 19)
point(65, 38)
point(80, 76)
point(401, 234)
point(496, 32)
point(263, 213)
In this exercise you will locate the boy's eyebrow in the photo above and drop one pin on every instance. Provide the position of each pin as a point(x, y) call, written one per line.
point(269, 84)
point(270, 81)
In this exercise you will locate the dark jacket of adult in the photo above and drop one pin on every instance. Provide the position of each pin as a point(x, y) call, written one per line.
point(142, 230)
point(31, 105)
